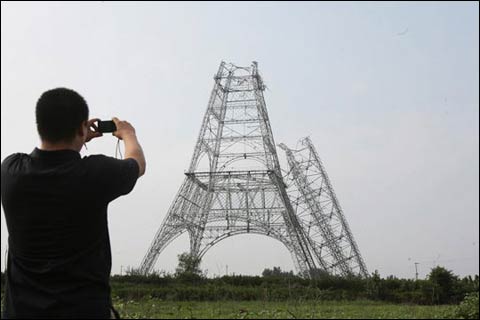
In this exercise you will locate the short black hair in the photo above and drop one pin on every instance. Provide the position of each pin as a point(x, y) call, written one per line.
point(60, 112)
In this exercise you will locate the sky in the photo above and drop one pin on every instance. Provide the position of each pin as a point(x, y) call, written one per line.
point(388, 93)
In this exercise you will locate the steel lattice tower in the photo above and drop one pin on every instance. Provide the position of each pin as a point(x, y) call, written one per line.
point(234, 184)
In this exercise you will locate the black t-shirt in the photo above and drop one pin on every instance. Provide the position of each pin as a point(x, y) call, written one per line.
point(55, 206)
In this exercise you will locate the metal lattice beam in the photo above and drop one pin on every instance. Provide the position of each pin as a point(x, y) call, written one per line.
point(320, 213)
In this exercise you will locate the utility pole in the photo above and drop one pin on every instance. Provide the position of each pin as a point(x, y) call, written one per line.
point(416, 271)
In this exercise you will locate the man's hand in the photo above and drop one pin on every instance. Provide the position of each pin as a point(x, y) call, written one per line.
point(124, 129)
point(91, 134)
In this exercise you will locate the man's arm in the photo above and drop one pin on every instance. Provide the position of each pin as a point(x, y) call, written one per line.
point(126, 132)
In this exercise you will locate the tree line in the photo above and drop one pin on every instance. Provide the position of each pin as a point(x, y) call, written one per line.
point(188, 283)
point(441, 286)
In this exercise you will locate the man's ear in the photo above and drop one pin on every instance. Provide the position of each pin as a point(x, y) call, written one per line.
point(80, 129)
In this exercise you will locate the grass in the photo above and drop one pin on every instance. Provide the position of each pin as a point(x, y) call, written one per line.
point(293, 309)
point(155, 308)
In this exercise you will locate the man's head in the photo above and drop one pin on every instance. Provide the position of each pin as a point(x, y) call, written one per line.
point(62, 116)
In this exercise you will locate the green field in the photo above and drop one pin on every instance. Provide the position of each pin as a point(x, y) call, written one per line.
point(155, 308)
point(290, 297)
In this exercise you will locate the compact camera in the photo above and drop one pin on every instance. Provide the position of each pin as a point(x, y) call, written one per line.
point(106, 126)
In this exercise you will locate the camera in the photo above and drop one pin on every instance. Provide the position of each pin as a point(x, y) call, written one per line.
point(106, 126)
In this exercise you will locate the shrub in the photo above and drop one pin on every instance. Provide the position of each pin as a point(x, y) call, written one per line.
point(468, 308)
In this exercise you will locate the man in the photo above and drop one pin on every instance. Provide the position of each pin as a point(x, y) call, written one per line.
point(55, 206)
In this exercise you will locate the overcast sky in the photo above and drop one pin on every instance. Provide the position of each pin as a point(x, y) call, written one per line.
point(388, 92)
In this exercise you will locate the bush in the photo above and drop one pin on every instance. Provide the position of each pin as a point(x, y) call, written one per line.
point(468, 309)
